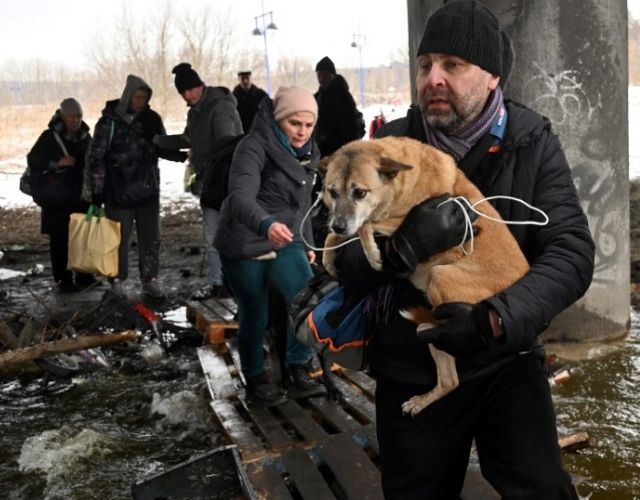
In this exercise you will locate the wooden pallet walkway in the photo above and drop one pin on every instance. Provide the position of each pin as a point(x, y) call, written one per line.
point(309, 448)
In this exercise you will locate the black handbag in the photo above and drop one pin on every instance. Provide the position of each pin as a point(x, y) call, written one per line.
point(55, 188)
point(138, 185)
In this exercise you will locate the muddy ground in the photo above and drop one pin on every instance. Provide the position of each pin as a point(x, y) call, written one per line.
point(182, 266)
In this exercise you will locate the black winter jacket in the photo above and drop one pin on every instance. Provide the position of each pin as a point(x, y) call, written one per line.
point(45, 154)
point(265, 182)
point(531, 166)
point(248, 102)
point(337, 117)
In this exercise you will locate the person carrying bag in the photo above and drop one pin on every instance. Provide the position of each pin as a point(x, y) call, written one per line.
point(93, 243)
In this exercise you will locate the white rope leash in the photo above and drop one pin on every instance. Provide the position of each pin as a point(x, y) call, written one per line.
point(461, 201)
point(468, 230)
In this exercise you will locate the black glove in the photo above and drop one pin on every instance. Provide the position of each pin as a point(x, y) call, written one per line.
point(97, 199)
point(427, 229)
point(467, 331)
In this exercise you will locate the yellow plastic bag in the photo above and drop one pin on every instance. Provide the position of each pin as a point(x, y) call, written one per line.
point(93, 243)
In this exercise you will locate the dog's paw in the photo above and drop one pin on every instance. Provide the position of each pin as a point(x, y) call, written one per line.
point(414, 405)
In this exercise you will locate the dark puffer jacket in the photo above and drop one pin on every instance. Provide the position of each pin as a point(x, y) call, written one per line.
point(338, 121)
point(531, 166)
point(46, 152)
point(265, 182)
point(248, 102)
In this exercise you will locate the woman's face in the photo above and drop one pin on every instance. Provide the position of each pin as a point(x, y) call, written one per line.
point(72, 121)
point(298, 127)
point(139, 100)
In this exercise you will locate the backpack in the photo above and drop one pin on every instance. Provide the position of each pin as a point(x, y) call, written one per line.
point(319, 322)
point(214, 175)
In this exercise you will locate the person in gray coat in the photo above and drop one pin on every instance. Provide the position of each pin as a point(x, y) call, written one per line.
point(212, 115)
point(259, 236)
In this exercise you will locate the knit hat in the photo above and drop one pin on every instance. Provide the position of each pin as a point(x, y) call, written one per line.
point(244, 73)
point(186, 77)
point(70, 105)
point(290, 100)
point(467, 29)
point(326, 64)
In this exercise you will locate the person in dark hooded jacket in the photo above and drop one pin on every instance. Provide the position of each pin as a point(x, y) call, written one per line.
point(57, 162)
point(260, 234)
point(503, 403)
point(124, 175)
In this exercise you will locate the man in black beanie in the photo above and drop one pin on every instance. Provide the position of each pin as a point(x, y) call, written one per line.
point(212, 115)
point(503, 402)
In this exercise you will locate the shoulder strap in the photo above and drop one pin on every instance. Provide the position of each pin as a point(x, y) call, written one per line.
point(111, 130)
point(58, 139)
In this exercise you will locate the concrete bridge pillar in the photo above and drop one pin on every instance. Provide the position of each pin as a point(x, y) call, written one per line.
point(571, 65)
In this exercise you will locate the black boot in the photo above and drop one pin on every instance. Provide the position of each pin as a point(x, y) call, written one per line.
point(260, 390)
point(301, 384)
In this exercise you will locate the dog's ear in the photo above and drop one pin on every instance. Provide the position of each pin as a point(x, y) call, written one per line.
point(322, 165)
point(389, 168)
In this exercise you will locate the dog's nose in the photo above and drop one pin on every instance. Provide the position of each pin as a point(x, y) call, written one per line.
point(339, 226)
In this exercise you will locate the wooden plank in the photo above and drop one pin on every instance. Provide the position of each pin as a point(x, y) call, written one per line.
point(305, 476)
point(237, 430)
point(356, 401)
point(210, 324)
point(267, 481)
point(369, 432)
point(222, 309)
point(302, 421)
point(332, 412)
point(271, 429)
point(352, 467)
point(363, 381)
point(216, 372)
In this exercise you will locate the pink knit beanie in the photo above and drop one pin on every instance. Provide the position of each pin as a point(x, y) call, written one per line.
point(290, 100)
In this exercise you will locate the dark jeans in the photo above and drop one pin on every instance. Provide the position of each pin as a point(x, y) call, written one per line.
point(510, 415)
point(250, 281)
point(55, 223)
point(147, 222)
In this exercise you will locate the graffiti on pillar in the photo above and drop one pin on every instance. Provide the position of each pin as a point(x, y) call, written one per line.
point(562, 98)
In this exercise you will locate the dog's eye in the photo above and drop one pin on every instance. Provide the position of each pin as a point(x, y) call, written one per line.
point(333, 193)
point(358, 193)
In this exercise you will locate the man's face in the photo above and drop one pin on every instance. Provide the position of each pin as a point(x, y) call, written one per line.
point(192, 96)
point(324, 78)
point(452, 92)
point(245, 81)
point(139, 100)
point(72, 121)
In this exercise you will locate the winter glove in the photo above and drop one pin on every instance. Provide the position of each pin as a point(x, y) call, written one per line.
point(467, 331)
point(427, 229)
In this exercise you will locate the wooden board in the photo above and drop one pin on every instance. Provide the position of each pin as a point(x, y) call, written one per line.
point(352, 467)
point(216, 372)
point(267, 481)
point(237, 430)
point(212, 319)
point(305, 476)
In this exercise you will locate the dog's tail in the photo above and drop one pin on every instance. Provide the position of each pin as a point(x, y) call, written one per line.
point(418, 315)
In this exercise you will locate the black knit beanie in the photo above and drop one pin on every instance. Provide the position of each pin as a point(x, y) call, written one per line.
point(186, 77)
point(326, 64)
point(467, 29)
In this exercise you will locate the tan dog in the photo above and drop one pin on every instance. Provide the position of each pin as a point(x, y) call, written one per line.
point(370, 186)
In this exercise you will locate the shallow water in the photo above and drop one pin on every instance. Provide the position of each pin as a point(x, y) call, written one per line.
point(602, 397)
point(97, 435)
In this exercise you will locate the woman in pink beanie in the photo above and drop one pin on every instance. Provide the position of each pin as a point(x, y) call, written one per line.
point(259, 236)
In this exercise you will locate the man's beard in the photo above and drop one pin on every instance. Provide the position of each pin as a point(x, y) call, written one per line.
point(452, 121)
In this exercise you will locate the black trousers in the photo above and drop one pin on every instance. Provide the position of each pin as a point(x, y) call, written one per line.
point(510, 415)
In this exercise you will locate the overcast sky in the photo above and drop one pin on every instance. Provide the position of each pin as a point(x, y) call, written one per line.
point(61, 30)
